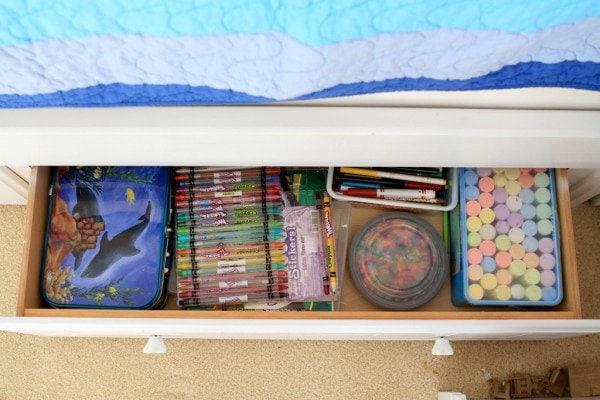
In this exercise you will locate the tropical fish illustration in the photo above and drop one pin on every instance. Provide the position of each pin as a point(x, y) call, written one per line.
point(86, 207)
point(130, 196)
point(122, 245)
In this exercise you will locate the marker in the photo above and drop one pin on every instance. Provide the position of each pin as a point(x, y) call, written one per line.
point(356, 181)
point(243, 200)
point(231, 292)
point(419, 171)
point(258, 233)
point(247, 298)
point(189, 280)
point(225, 176)
point(330, 249)
point(392, 194)
point(202, 264)
point(391, 175)
point(235, 269)
point(352, 183)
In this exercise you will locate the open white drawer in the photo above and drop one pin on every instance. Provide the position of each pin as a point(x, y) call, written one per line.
point(357, 318)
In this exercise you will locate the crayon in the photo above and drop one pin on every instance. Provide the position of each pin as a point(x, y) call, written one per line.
point(187, 195)
point(187, 181)
point(191, 228)
point(235, 269)
point(189, 280)
point(190, 255)
point(391, 175)
point(204, 168)
point(223, 211)
point(226, 176)
point(260, 233)
point(243, 200)
point(187, 220)
point(247, 298)
point(330, 248)
point(319, 206)
point(233, 248)
point(231, 292)
point(211, 263)
point(232, 207)
point(226, 187)
point(208, 283)
point(259, 238)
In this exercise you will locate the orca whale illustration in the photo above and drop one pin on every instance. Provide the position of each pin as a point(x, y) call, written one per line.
point(122, 245)
point(87, 202)
point(86, 206)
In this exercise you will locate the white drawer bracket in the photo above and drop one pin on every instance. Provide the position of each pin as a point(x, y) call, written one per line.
point(155, 345)
point(442, 347)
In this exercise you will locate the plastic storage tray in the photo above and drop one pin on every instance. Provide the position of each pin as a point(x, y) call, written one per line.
point(450, 204)
point(508, 253)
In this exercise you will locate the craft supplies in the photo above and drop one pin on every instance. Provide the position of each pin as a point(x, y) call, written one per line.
point(513, 211)
point(398, 261)
point(402, 187)
point(230, 236)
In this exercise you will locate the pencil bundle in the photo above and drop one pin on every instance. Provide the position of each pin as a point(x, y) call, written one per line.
point(230, 237)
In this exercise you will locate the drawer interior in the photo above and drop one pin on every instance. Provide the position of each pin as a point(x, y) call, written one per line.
point(352, 304)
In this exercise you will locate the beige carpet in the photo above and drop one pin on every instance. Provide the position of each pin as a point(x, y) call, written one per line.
point(72, 368)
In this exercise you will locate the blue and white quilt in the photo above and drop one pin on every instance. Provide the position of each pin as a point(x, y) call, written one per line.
point(197, 52)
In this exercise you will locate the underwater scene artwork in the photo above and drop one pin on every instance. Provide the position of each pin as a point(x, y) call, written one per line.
point(106, 238)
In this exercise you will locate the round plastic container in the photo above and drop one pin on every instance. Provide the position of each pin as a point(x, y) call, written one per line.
point(398, 261)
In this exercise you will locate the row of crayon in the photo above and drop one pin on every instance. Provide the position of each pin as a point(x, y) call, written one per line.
point(421, 185)
point(230, 236)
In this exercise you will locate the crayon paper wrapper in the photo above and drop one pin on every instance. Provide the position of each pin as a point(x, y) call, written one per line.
point(305, 259)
